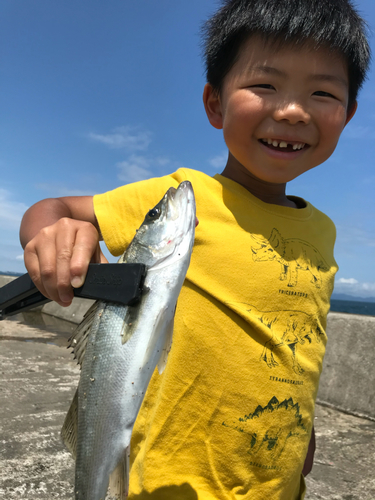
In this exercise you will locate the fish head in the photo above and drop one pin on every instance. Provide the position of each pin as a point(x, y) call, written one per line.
point(167, 232)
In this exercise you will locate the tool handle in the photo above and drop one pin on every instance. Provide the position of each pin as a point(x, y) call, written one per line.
point(120, 283)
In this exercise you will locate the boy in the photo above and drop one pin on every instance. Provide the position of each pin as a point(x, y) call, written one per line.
point(232, 415)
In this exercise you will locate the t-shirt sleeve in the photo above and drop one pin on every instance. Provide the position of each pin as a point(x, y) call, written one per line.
point(121, 211)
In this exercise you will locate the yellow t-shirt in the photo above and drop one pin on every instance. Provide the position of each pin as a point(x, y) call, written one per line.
point(231, 416)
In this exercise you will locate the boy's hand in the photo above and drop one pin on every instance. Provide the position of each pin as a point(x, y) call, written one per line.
point(307, 468)
point(58, 256)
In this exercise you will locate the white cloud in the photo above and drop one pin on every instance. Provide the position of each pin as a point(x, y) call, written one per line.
point(10, 258)
point(11, 211)
point(350, 281)
point(370, 287)
point(131, 138)
point(351, 286)
point(136, 168)
point(219, 161)
point(354, 237)
point(163, 161)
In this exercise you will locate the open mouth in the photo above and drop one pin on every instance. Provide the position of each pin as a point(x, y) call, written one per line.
point(171, 192)
point(288, 147)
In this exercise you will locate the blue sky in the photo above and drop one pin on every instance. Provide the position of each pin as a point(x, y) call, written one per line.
point(95, 94)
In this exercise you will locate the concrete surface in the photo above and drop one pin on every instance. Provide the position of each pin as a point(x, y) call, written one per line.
point(344, 459)
point(5, 279)
point(348, 378)
point(38, 379)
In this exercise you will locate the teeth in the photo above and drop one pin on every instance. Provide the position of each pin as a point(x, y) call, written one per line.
point(283, 144)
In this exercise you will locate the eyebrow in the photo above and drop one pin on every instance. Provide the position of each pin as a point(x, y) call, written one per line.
point(270, 70)
point(330, 78)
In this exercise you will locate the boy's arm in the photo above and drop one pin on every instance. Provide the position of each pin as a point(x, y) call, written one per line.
point(310, 455)
point(60, 237)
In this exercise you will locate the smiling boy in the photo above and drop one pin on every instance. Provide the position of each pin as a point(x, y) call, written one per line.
point(282, 113)
point(231, 416)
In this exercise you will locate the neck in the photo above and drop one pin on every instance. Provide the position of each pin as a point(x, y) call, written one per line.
point(265, 191)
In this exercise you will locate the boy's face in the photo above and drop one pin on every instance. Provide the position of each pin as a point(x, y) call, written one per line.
point(281, 111)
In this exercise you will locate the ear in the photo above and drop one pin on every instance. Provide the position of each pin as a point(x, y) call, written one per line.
point(212, 105)
point(351, 112)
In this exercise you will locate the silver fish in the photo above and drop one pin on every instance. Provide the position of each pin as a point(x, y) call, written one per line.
point(120, 346)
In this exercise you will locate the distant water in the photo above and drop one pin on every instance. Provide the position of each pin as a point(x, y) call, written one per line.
point(353, 307)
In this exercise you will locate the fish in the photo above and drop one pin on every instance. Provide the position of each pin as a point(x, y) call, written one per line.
point(119, 348)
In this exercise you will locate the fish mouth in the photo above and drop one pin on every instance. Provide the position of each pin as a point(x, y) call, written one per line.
point(181, 197)
point(171, 193)
point(183, 187)
point(181, 208)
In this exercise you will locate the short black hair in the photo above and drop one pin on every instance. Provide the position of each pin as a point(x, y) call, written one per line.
point(334, 24)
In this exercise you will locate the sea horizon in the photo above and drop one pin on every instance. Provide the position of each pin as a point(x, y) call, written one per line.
point(342, 303)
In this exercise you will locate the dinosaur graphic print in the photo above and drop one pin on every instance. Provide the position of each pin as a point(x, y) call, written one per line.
point(297, 327)
point(266, 436)
point(294, 255)
point(288, 329)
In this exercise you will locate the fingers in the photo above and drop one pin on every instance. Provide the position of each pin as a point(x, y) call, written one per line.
point(33, 266)
point(86, 249)
point(57, 258)
point(64, 244)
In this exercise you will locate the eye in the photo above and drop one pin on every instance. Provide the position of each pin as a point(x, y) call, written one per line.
point(263, 86)
point(321, 93)
point(154, 213)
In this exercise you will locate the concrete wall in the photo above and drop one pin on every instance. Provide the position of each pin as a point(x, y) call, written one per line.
point(73, 313)
point(5, 279)
point(348, 378)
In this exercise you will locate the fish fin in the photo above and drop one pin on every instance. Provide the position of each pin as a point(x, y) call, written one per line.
point(119, 478)
point(69, 429)
point(130, 322)
point(78, 340)
point(161, 323)
point(167, 346)
point(127, 331)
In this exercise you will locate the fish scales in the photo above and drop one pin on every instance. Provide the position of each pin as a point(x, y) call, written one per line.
point(124, 345)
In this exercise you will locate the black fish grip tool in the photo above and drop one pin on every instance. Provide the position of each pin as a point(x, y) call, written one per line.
point(119, 283)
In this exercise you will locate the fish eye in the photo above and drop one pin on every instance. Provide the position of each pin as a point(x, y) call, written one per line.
point(154, 213)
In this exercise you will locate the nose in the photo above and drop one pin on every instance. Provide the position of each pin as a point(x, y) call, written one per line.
point(294, 112)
